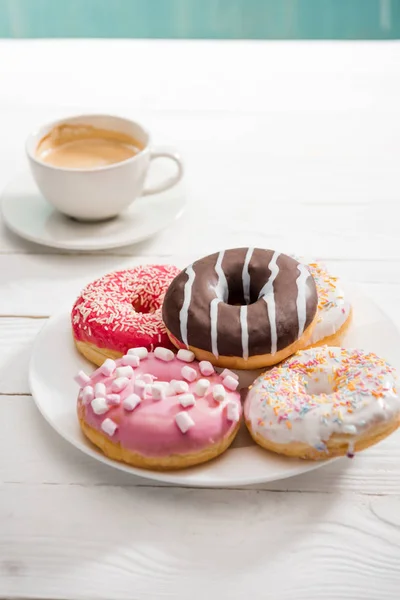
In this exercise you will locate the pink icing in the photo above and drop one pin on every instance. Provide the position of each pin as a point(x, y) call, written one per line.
point(150, 429)
point(122, 310)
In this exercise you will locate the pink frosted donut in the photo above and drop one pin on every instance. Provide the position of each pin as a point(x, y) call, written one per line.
point(159, 410)
point(122, 310)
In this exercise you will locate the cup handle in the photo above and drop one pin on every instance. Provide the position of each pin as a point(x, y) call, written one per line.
point(171, 181)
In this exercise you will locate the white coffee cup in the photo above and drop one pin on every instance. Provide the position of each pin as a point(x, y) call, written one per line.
point(102, 192)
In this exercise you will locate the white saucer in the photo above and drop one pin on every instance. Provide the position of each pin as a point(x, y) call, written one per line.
point(55, 361)
point(27, 214)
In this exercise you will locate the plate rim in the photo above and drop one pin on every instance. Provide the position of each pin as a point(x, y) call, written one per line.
point(76, 247)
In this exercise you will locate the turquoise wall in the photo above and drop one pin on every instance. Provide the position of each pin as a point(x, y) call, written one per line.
point(230, 19)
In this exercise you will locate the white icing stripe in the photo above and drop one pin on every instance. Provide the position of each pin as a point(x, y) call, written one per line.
point(245, 332)
point(214, 325)
point(184, 312)
point(301, 302)
point(221, 290)
point(222, 285)
point(268, 294)
point(246, 275)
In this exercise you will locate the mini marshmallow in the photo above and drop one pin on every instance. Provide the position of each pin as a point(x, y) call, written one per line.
point(184, 421)
point(124, 372)
point(189, 373)
point(185, 355)
point(178, 387)
point(164, 354)
point(100, 390)
point(108, 367)
point(131, 359)
point(139, 387)
point(187, 400)
point(113, 399)
point(146, 377)
point(131, 402)
point(109, 426)
point(82, 379)
point(119, 384)
point(140, 352)
point(206, 368)
point(232, 411)
point(219, 392)
point(158, 391)
point(230, 383)
point(99, 406)
point(201, 387)
point(87, 394)
point(228, 373)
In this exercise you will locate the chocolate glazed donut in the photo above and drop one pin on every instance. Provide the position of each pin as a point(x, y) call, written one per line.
point(243, 308)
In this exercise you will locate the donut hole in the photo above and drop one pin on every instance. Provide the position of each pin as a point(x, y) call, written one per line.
point(320, 383)
point(142, 308)
point(236, 297)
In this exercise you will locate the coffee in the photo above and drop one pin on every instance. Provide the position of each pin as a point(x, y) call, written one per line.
point(85, 147)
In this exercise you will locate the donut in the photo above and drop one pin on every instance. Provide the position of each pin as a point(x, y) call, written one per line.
point(122, 310)
point(334, 308)
point(324, 402)
point(159, 410)
point(244, 308)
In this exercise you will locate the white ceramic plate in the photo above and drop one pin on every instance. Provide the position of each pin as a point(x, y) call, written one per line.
point(27, 214)
point(55, 361)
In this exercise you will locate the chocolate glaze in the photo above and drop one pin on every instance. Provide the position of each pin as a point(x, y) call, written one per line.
point(272, 310)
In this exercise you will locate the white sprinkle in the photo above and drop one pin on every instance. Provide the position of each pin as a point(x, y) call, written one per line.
point(109, 426)
point(108, 367)
point(178, 387)
point(349, 429)
point(189, 373)
point(100, 390)
point(227, 372)
point(230, 383)
point(219, 392)
point(184, 421)
point(131, 402)
point(140, 352)
point(113, 399)
point(164, 354)
point(131, 359)
point(99, 406)
point(201, 387)
point(232, 411)
point(119, 384)
point(206, 368)
point(187, 400)
point(158, 391)
point(185, 355)
point(139, 387)
point(87, 394)
point(82, 379)
point(124, 372)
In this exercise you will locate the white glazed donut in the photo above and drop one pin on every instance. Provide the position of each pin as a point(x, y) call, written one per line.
point(334, 308)
point(324, 402)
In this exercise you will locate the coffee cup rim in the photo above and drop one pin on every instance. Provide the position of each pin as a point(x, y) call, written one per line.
point(37, 134)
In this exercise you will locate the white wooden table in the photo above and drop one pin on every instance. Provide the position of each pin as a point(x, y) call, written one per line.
point(287, 145)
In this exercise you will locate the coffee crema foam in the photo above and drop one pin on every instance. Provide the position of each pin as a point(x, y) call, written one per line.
point(85, 147)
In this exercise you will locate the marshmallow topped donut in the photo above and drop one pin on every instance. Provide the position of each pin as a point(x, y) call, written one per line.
point(244, 308)
point(159, 410)
point(120, 311)
point(324, 402)
point(334, 308)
